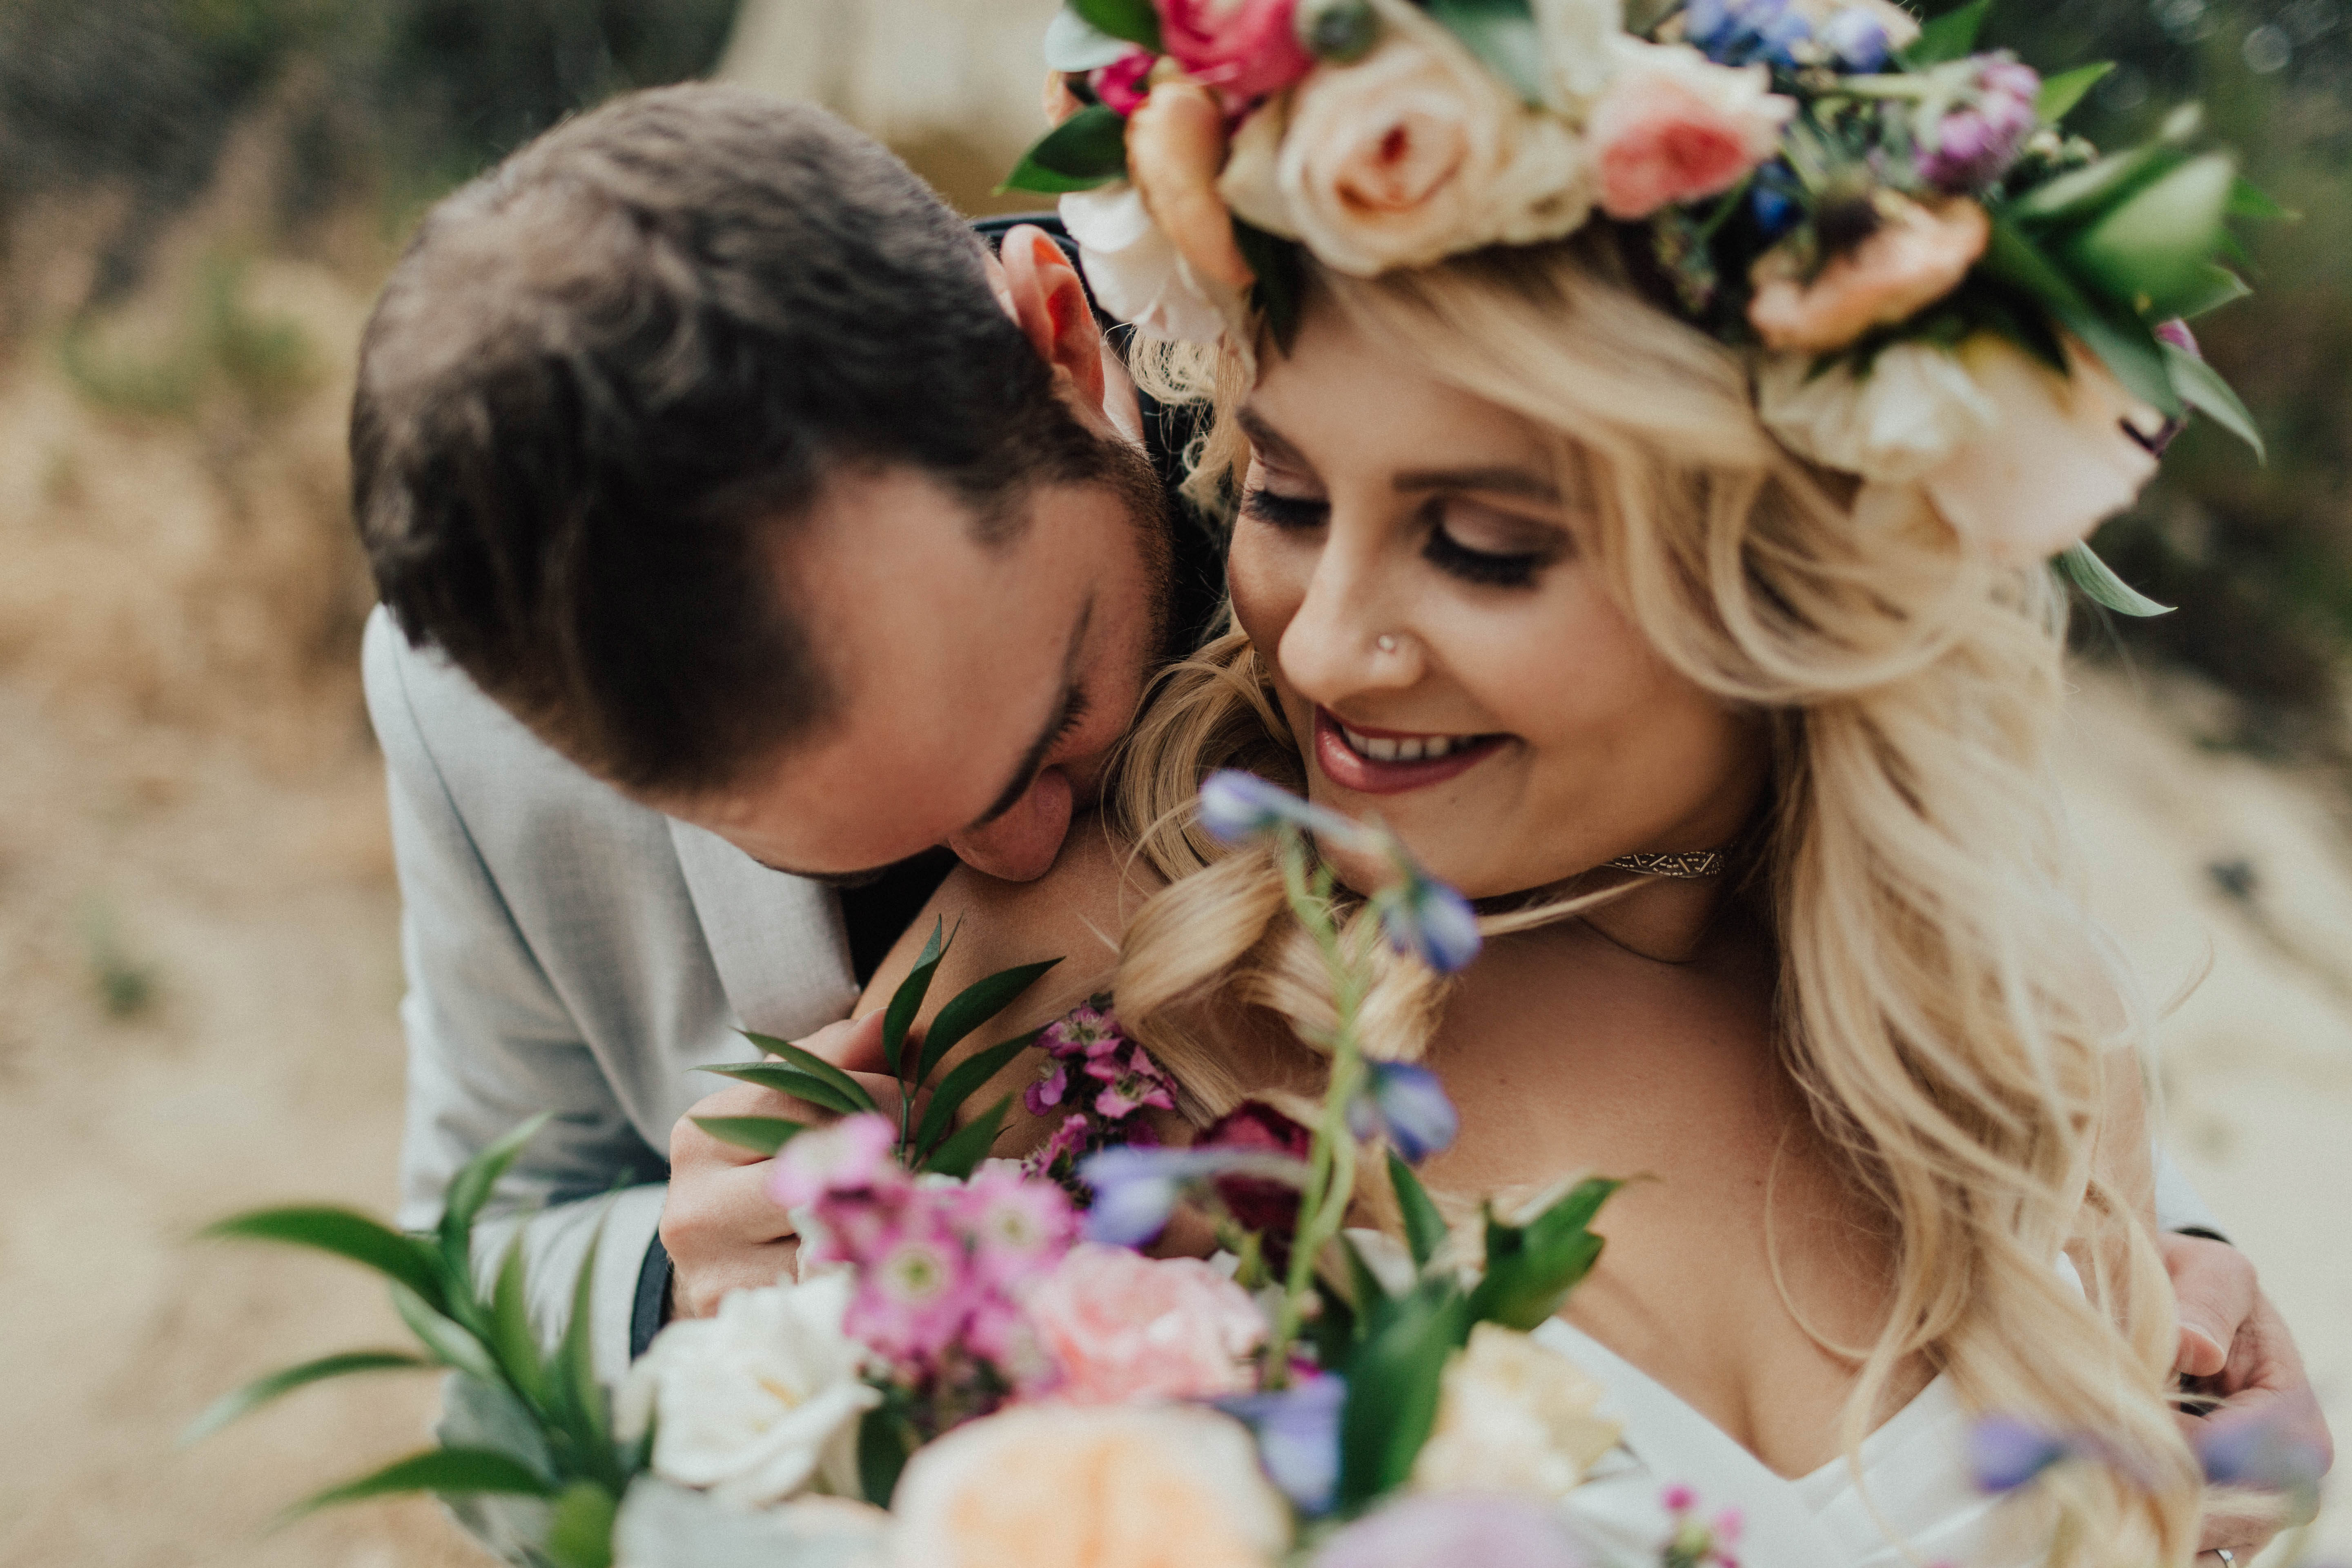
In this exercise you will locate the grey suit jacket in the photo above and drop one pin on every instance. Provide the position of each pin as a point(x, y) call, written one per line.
point(570, 951)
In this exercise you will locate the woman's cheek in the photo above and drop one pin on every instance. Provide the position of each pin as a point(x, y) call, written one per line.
point(1267, 578)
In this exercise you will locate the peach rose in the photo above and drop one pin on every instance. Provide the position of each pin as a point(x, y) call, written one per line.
point(1917, 257)
point(1674, 126)
point(1175, 146)
point(1916, 406)
point(2057, 463)
point(1123, 1326)
point(1051, 1486)
point(1413, 153)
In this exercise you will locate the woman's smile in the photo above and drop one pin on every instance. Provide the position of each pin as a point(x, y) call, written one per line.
point(1391, 761)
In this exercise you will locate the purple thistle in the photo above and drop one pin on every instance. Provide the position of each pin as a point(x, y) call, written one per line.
point(2005, 1453)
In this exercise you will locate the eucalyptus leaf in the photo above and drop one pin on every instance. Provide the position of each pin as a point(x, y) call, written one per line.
point(1424, 1227)
point(1087, 150)
point(1135, 20)
point(970, 1008)
point(2202, 388)
point(401, 1258)
point(2061, 93)
point(907, 999)
point(265, 1390)
point(2100, 584)
point(968, 1079)
point(581, 1534)
point(800, 1085)
point(811, 1063)
point(962, 1154)
point(1503, 35)
point(445, 1470)
point(1394, 1376)
point(1950, 36)
point(761, 1134)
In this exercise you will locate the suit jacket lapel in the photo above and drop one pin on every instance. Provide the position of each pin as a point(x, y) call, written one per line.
point(776, 940)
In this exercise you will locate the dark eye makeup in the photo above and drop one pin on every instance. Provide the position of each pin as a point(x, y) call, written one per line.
point(1442, 550)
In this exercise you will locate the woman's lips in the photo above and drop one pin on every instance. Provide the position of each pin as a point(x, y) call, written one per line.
point(1351, 769)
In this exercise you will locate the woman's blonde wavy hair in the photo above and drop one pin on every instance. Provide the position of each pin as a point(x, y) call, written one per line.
point(1943, 999)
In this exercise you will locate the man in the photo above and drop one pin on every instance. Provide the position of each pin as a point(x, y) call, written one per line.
point(756, 536)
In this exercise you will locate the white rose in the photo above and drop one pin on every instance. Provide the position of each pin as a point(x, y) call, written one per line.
point(1916, 406)
point(1136, 271)
point(751, 1403)
point(1418, 152)
point(1579, 50)
point(2058, 460)
point(1513, 1415)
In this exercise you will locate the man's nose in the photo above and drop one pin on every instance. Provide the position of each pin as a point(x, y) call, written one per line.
point(1021, 845)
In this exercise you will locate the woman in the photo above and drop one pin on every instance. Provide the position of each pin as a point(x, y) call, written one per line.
point(1738, 732)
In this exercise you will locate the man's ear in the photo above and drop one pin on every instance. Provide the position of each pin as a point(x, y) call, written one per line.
point(1046, 297)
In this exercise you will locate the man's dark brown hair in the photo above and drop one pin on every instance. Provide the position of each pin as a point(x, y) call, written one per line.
point(606, 374)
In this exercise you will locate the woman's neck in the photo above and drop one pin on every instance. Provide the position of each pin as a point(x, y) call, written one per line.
point(1667, 919)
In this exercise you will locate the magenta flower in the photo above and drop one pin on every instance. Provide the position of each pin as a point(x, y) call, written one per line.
point(915, 1291)
point(1052, 1084)
point(1244, 49)
point(1130, 1086)
point(1974, 144)
point(1125, 83)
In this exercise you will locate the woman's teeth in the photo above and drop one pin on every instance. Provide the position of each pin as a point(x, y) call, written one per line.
point(1403, 748)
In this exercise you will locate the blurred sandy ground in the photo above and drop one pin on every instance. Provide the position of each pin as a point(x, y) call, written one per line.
point(191, 820)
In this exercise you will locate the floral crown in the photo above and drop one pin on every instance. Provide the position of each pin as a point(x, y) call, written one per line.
point(1943, 293)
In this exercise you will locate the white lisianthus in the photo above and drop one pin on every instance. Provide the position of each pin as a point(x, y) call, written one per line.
point(1513, 1415)
point(1916, 406)
point(1580, 50)
point(1138, 274)
point(2058, 461)
point(751, 1404)
point(1415, 152)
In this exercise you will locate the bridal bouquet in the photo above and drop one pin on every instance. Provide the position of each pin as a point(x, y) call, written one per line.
point(976, 1366)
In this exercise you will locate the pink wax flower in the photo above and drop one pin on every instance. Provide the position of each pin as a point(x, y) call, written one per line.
point(1126, 82)
point(1673, 127)
point(852, 1155)
point(1130, 1085)
point(915, 1289)
point(1018, 1228)
point(1244, 49)
point(1125, 1327)
point(1052, 1084)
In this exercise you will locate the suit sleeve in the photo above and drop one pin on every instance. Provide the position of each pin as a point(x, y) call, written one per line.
point(490, 1044)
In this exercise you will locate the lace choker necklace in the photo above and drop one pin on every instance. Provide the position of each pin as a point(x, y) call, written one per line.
point(1692, 864)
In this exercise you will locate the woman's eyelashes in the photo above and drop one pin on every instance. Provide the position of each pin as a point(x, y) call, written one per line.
point(1485, 568)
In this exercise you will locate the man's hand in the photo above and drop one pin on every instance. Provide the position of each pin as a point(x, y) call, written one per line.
point(721, 1229)
point(2235, 1348)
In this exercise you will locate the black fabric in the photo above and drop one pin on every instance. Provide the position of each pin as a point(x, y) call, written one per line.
point(651, 1308)
point(876, 914)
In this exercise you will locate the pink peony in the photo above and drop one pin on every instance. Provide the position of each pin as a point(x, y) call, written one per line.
point(1125, 1327)
point(1915, 256)
point(1673, 127)
point(1245, 49)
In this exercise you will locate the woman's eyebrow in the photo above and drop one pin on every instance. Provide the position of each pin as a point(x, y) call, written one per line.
point(1507, 481)
point(1266, 438)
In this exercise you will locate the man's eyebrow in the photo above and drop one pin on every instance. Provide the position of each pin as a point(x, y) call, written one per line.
point(1502, 480)
point(1072, 705)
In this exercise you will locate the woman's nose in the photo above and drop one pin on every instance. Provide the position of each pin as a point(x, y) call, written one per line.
point(1350, 634)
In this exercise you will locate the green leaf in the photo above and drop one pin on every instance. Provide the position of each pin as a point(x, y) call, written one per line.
point(470, 1189)
point(1575, 1209)
point(2248, 200)
point(907, 999)
point(1424, 1227)
point(886, 1441)
point(2202, 388)
point(2099, 584)
point(800, 1085)
point(2121, 340)
point(971, 1007)
point(1502, 34)
point(2061, 94)
point(512, 1339)
point(446, 1470)
point(452, 1344)
point(761, 1134)
point(1950, 36)
point(1370, 1295)
point(262, 1391)
point(964, 1082)
point(2083, 194)
point(2221, 286)
point(1134, 20)
point(580, 1535)
point(401, 1258)
point(816, 1065)
point(960, 1154)
point(1393, 1380)
point(578, 1397)
point(1086, 150)
point(1531, 1269)
point(2156, 249)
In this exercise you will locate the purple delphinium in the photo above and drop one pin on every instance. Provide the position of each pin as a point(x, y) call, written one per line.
point(2005, 1453)
point(1743, 32)
point(1406, 1105)
point(1855, 41)
point(1430, 920)
point(1974, 144)
point(1298, 1431)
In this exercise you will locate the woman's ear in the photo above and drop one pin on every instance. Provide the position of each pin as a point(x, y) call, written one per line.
point(1049, 301)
